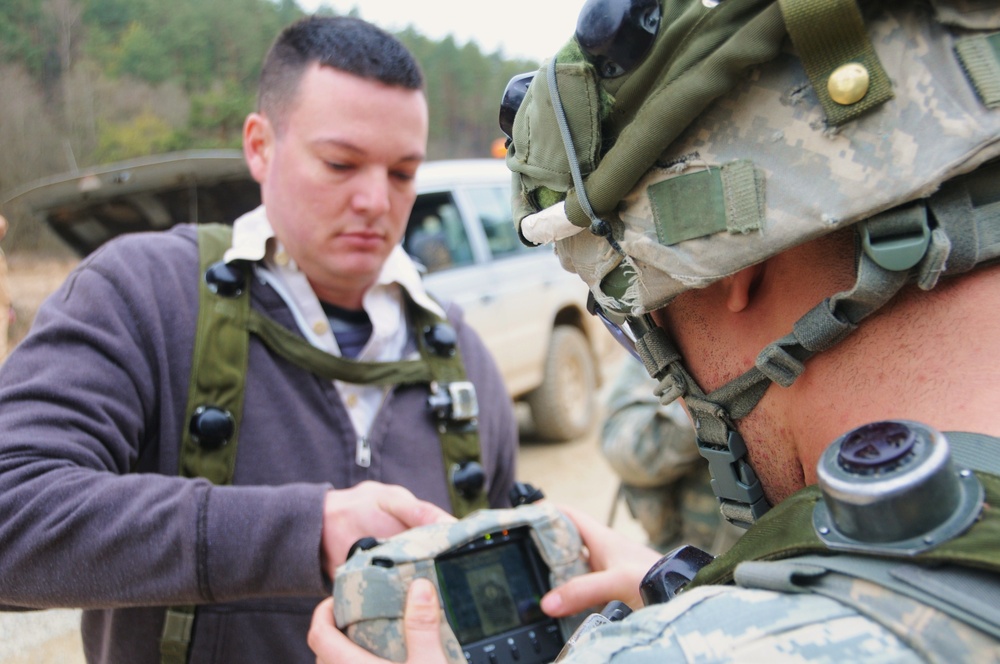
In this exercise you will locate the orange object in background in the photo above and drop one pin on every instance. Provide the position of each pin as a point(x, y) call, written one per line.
point(499, 148)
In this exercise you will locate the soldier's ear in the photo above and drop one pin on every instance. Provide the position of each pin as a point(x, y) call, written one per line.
point(258, 142)
point(740, 287)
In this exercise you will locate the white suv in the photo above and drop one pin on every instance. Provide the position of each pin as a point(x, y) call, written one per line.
point(529, 311)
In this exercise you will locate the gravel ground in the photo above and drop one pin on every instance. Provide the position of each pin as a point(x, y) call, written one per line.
point(41, 637)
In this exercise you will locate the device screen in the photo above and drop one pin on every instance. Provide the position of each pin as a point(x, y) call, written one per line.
point(491, 589)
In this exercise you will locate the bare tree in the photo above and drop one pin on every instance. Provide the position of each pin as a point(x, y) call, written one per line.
point(65, 16)
point(31, 148)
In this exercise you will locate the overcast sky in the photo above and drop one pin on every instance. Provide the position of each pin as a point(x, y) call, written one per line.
point(533, 29)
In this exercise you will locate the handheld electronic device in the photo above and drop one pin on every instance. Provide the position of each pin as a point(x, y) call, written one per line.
point(490, 569)
point(491, 588)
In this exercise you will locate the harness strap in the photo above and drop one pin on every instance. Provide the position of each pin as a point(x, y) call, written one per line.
point(218, 375)
point(460, 445)
point(218, 371)
point(459, 438)
point(301, 353)
point(787, 529)
point(967, 210)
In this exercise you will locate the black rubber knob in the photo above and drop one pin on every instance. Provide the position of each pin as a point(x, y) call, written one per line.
point(226, 279)
point(211, 427)
point(875, 447)
point(615, 35)
point(671, 573)
point(468, 478)
point(523, 493)
point(362, 544)
point(442, 339)
point(513, 97)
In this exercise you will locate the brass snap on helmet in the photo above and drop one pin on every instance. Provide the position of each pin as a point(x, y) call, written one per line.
point(749, 127)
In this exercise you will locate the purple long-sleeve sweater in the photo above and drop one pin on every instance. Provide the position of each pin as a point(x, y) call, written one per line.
point(93, 514)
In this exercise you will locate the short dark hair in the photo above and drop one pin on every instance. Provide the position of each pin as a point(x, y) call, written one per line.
point(345, 43)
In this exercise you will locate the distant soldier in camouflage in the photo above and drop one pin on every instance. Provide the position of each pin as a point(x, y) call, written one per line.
point(790, 212)
point(665, 481)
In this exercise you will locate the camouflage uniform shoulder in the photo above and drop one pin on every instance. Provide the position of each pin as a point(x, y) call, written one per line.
point(732, 624)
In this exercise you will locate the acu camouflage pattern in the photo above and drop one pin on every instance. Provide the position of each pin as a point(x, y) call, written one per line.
point(665, 481)
point(369, 599)
point(808, 178)
point(732, 624)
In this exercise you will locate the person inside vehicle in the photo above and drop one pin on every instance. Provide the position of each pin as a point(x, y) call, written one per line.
point(791, 212)
point(302, 338)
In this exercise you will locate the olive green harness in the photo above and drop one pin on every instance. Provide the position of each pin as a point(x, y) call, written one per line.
point(787, 533)
point(219, 368)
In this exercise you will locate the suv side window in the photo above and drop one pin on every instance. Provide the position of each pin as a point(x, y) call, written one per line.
point(492, 206)
point(435, 236)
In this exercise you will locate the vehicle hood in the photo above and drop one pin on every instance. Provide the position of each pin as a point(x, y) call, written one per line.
point(86, 208)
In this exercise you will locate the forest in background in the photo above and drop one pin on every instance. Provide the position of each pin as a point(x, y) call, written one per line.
point(87, 82)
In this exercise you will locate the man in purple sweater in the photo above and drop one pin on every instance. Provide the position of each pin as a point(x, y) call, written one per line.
point(93, 404)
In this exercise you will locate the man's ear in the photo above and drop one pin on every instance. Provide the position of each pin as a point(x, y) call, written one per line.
point(258, 143)
point(741, 286)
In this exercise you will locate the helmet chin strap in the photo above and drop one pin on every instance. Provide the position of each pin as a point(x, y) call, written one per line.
point(734, 482)
point(898, 245)
point(733, 479)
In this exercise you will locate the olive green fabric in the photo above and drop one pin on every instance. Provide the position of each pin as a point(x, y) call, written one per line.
point(218, 373)
point(301, 353)
point(218, 365)
point(706, 202)
point(222, 342)
point(176, 637)
point(980, 56)
point(787, 531)
point(545, 157)
point(702, 212)
point(698, 56)
point(828, 34)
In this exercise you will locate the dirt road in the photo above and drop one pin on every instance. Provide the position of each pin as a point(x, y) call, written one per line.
point(570, 473)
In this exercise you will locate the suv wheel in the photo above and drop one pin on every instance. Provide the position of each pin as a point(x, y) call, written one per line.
point(564, 406)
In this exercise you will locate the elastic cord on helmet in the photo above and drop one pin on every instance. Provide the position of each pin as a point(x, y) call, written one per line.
point(597, 225)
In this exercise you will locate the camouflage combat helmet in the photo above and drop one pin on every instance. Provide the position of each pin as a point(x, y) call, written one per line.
point(672, 143)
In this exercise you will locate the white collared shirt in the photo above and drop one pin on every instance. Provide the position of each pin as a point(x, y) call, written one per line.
point(253, 240)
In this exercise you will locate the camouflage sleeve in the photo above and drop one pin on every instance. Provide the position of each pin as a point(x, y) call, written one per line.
point(646, 444)
point(730, 624)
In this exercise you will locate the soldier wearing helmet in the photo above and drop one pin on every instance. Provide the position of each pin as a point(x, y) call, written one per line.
point(790, 212)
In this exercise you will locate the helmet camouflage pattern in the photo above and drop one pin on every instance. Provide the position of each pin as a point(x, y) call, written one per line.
point(760, 169)
point(744, 128)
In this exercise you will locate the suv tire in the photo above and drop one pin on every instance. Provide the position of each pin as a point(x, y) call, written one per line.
point(564, 406)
